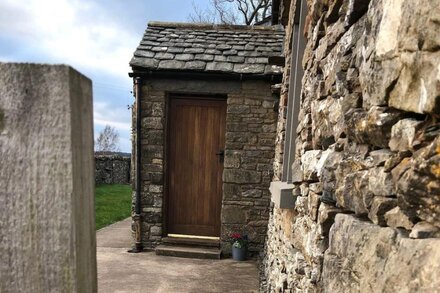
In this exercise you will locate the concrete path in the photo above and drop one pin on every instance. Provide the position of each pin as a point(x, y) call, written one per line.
point(120, 271)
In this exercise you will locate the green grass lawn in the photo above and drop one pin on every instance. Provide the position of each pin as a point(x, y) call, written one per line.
point(112, 204)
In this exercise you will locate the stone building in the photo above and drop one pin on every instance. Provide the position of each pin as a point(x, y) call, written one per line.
point(207, 130)
point(356, 189)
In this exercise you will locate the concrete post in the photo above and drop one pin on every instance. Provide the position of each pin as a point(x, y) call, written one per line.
point(47, 228)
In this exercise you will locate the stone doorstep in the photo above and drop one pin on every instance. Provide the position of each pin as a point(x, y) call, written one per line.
point(193, 242)
point(189, 252)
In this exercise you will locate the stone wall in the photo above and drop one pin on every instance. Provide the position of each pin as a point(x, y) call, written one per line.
point(249, 152)
point(112, 169)
point(368, 154)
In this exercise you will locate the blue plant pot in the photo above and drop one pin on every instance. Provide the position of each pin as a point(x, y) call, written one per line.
point(239, 253)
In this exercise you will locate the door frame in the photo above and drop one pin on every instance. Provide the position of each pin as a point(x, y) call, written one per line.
point(179, 95)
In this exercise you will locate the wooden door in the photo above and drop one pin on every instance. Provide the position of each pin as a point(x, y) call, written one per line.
point(196, 136)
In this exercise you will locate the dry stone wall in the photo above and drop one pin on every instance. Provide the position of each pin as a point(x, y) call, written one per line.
point(367, 214)
point(112, 169)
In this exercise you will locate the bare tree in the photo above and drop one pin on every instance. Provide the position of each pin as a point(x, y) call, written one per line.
point(108, 140)
point(232, 12)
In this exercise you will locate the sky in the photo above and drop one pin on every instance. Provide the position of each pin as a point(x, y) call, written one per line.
point(95, 37)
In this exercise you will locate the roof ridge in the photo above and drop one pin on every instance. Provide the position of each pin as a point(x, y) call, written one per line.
point(214, 26)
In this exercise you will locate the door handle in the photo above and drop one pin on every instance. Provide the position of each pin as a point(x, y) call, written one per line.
point(221, 155)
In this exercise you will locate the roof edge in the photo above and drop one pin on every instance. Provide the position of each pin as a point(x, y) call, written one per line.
point(277, 28)
point(179, 74)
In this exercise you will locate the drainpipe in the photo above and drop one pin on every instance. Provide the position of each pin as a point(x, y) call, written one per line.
point(137, 208)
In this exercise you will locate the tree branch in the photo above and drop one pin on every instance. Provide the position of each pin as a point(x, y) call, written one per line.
point(232, 11)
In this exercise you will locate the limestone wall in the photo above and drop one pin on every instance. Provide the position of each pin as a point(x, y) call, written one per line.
point(249, 151)
point(368, 153)
point(112, 169)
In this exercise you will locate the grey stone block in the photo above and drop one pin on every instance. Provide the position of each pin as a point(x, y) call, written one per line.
point(47, 225)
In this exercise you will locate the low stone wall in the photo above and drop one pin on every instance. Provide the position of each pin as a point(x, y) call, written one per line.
point(112, 169)
point(367, 165)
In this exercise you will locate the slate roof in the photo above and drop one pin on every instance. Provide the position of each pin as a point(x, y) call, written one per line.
point(209, 48)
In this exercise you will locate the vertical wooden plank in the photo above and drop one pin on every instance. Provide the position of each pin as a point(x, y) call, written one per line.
point(196, 134)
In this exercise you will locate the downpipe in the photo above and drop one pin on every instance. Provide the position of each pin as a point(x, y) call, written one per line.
point(137, 208)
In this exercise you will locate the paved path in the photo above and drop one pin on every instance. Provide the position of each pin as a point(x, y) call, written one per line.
point(119, 271)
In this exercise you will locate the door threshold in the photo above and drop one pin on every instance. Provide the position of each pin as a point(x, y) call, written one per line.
point(193, 236)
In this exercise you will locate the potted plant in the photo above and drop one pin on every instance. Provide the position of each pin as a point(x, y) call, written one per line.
point(239, 246)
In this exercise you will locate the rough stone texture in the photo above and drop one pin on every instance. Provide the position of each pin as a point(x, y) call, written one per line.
point(235, 49)
point(112, 169)
point(249, 152)
point(363, 257)
point(369, 139)
point(47, 227)
point(403, 134)
point(424, 230)
point(396, 218)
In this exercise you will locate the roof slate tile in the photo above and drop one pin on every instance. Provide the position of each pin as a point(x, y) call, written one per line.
point(184, 57)
point(163, 56)
point(194, 50)
point(159, 49)
point(202, 47)
point(219, 66)
point(223, 47)
point(142, 53)
point(195, 65)
point(171, 64)
point(249, 68)
point(230, 52)
point(236, 59)
point(175, 50)
point(204, 57)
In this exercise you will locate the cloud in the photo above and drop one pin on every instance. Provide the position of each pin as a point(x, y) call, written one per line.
point(92, 36)
point(105, 114)
point(76, 32)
